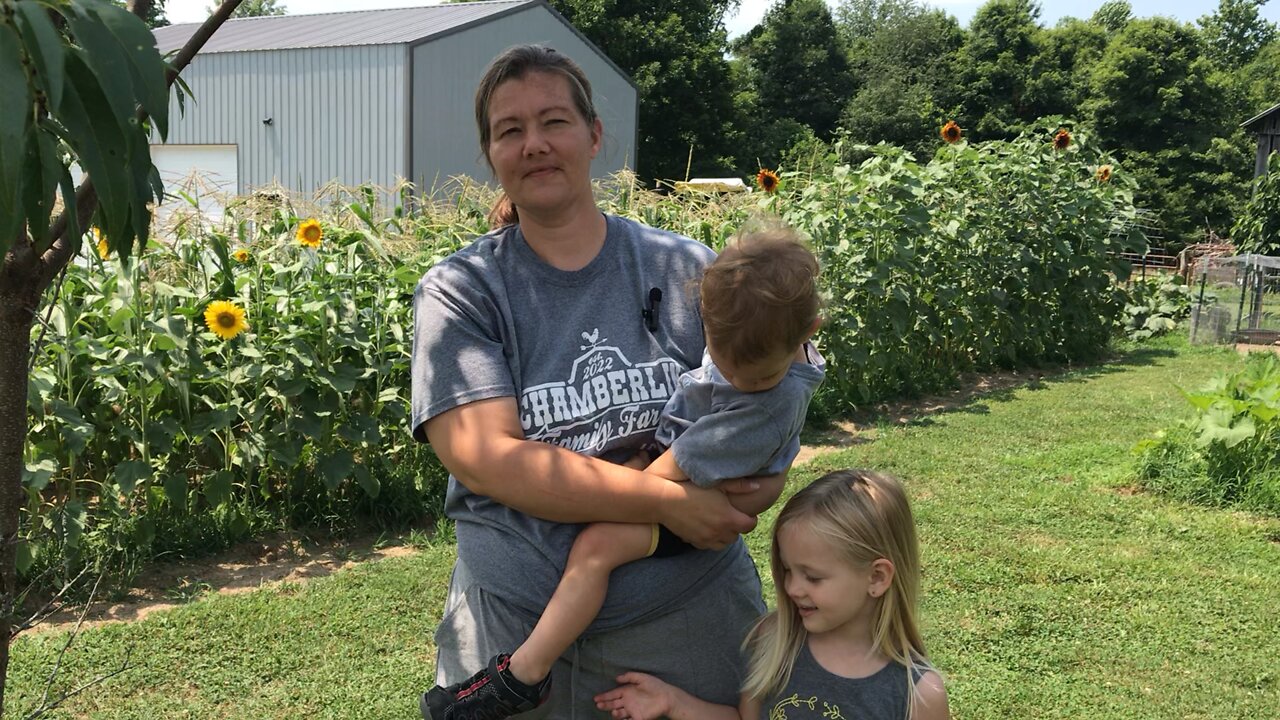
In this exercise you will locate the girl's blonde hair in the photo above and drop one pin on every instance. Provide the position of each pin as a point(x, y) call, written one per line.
point(866, 516)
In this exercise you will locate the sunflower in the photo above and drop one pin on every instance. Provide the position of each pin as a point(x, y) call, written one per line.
point(241, 255)
point(1104, 173)
point(100, 240)
point(767, 180)
point(951, 132)
point(1062, 140)
point(310, 233)
point(225, 319)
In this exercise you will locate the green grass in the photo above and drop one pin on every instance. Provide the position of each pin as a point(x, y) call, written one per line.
point(1052, 589)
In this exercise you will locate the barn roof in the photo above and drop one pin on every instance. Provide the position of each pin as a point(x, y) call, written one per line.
point(340, 29)
point(1251, 123)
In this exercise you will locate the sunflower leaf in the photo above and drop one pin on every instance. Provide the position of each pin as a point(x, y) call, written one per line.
point(37, 476)
point(217, 488)
point(175, 489)
point(129, 473)
point(367, 481)
point(335, 467)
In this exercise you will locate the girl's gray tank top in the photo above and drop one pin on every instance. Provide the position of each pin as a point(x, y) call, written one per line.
point(815, 694)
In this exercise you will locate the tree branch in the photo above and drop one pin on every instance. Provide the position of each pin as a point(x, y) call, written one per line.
point(59, 253)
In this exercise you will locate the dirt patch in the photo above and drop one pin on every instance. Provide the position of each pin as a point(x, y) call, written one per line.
point(1246, 348)
point(263, 563)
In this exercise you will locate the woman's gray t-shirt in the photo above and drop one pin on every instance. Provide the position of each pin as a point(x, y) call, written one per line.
point(573, 349)
point(813, 693)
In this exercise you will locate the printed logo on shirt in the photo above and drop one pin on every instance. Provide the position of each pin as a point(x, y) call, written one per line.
point(806, 708)
point(605, 398)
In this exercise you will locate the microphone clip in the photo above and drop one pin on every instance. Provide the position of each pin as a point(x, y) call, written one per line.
point(650, 311)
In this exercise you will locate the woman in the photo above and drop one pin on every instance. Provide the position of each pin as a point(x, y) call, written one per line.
point(543, 354)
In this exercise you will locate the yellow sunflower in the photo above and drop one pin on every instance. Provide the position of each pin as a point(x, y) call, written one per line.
point(767, 180)
point(241, 255)
point(225, 319)
point(1062, 140)
point(1104, 173)
point(100, 240)
point(951, 132)
point(310, 233)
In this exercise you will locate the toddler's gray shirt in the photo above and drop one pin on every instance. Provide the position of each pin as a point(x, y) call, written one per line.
point(494, 320)
point(718, 432)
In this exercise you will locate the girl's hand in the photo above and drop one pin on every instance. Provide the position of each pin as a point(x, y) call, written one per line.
point(638, 696)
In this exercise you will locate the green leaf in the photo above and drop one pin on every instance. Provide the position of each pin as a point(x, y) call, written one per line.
point(309, 425)
point(204, 423)
point(108, 62)
point(175, 489)
point(24, 556)
point(68, 522)
point(98, 144)
point(361, 429)
point(44, 46)
point(146, 67)
point(15, 125)
point(1217, 425)
point(367, 481)
point(160, 434)
point(129, 473)
point(37, 476)
point(217, 488)
point(293, 386)
point(122, 315)
point(335, 467)
point(286, 450)
point(44, 165)
point(145, 531)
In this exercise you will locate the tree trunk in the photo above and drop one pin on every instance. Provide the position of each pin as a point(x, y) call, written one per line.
point(15, 346)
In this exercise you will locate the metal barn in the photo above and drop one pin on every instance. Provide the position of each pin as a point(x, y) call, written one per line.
point(368, 96)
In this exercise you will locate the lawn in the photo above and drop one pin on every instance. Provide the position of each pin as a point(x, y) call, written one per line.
point(1053, 589)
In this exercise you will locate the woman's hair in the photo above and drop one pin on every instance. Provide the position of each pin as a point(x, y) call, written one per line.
point(865, 516)
point(513, 64)
point(760, 296)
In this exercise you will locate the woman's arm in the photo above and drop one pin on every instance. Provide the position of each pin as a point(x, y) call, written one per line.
point(483, 445)
point(644, 697)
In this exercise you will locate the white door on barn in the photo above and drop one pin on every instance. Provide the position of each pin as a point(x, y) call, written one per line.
point(207, 175)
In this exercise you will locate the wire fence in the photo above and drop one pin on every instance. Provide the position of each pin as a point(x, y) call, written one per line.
point(1237, 300)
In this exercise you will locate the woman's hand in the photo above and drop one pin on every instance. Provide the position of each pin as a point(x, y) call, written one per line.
point(703, 517)
point(638, 696)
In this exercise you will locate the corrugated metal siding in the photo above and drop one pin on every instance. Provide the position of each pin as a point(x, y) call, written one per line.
point(446, 71)
point(337, 113)
point(367, 27)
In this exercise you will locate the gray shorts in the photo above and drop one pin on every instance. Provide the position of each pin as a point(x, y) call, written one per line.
point(695, 647)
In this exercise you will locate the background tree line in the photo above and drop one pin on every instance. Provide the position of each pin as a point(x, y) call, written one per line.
point(1165, 97)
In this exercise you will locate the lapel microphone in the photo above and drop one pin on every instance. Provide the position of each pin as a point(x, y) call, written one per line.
point(650, 311)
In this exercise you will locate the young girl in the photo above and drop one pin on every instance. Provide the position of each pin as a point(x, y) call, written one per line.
point(843, 642)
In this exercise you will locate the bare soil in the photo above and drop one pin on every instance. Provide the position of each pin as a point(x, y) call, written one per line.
point(262, 563)
point(283, 558)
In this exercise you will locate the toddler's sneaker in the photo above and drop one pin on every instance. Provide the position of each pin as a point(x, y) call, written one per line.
point(491, 694)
